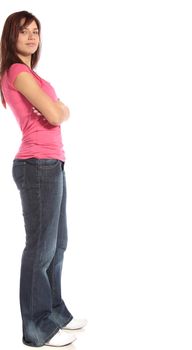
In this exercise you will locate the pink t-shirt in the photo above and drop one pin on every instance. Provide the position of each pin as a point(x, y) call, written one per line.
point(40, 138)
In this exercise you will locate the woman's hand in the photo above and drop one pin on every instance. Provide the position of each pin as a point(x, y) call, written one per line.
point(36, 111)
point(65, 109)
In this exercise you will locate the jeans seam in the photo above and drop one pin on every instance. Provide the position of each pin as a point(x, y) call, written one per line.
point(40, 229)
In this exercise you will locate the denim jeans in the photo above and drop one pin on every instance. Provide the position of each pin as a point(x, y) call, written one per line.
point(42, 187)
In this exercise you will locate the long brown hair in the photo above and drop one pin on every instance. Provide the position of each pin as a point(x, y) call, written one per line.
point(11, 29)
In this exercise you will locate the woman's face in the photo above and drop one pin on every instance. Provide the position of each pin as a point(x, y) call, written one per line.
point(28, 39)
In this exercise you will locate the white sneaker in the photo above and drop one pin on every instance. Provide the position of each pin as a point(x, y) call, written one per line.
point(61, 338)
point(75, 324)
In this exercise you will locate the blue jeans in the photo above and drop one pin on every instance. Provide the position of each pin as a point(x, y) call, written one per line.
point(42, 187)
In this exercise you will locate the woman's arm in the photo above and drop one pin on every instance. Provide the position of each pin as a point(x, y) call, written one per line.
point(54, 111)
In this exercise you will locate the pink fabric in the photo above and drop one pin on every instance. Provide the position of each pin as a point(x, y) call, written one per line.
point(40, 138)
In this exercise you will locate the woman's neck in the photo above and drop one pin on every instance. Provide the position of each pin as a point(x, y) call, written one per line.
point(26, 60)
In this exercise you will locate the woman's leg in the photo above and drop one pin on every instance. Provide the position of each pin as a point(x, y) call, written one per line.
point(41, 188)
point(60, 312)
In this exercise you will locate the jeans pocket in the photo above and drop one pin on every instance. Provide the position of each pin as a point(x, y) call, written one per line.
point(49, 163)
point(18, 172)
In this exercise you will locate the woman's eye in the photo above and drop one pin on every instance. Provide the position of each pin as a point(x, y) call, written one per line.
point(25, 31)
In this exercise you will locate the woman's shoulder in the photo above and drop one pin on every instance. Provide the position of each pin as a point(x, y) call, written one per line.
point(17, 68)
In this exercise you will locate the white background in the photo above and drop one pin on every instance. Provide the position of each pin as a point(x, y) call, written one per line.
point(124, 69)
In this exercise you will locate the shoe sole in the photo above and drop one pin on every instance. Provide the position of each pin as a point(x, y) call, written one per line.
point(60, 346)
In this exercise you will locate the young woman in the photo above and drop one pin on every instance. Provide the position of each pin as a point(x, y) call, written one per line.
point(38, 171)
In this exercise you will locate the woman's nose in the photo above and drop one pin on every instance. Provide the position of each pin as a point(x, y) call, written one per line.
point(31, 35)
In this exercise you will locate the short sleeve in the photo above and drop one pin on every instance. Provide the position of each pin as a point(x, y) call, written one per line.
point(15, 69)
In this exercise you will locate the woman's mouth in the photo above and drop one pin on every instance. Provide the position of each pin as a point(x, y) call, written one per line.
point(31, 44)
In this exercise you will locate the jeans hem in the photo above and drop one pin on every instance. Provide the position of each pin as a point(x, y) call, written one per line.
point(45, 341)
point(66, 322)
